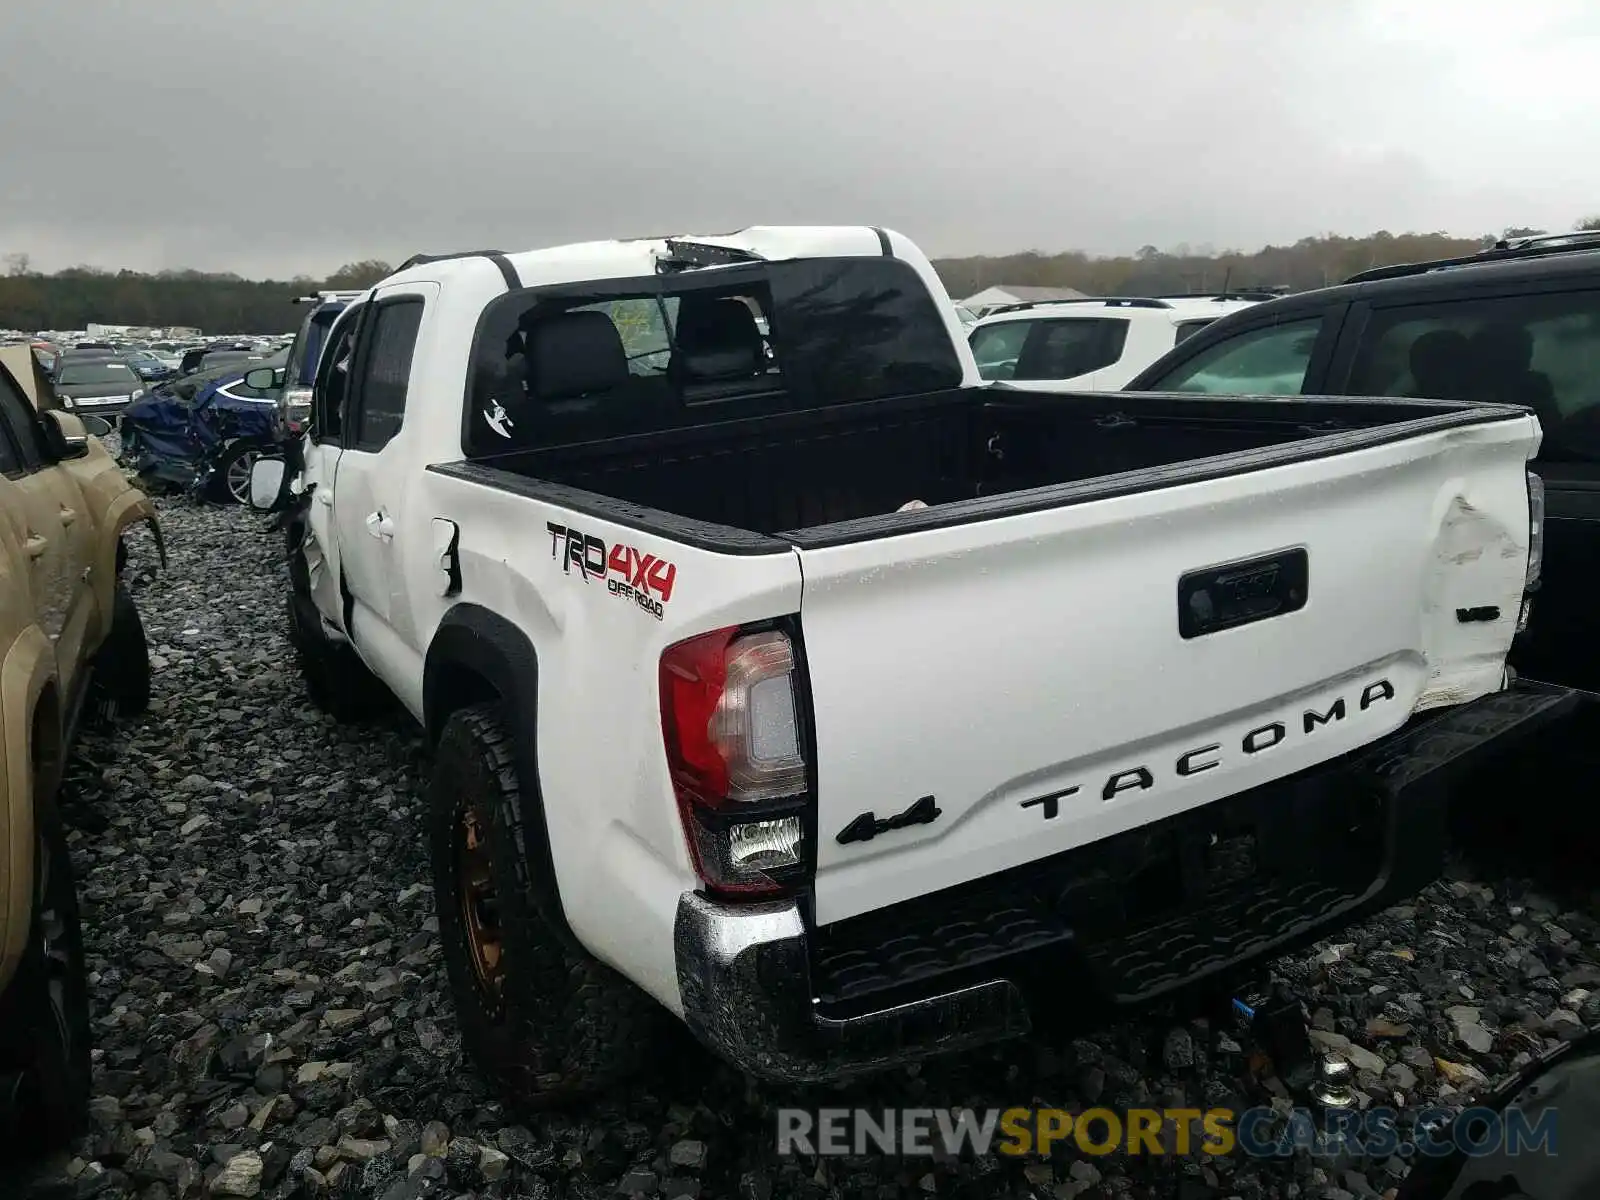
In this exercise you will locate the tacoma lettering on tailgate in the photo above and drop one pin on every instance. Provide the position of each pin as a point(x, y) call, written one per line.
point(628, 572)
point(1209, 757)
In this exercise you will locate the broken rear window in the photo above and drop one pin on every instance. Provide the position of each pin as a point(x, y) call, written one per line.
point(562, 365)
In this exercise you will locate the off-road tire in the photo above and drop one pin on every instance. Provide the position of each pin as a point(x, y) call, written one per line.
point(564, 1024)
point(44, 1014)
point(121, 683)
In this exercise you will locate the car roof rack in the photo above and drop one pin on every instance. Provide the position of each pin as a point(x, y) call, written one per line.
point(1118, 301)
point(1262, 293)
point(1504, 250)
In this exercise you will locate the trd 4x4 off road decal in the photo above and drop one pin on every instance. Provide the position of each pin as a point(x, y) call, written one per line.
point(628, 572)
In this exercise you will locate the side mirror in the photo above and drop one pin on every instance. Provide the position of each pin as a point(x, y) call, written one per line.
point(266, 481)
point(64, 434)
point(97, 426)
point(264, 379)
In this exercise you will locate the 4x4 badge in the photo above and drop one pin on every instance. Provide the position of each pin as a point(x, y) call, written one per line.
point(867, 826)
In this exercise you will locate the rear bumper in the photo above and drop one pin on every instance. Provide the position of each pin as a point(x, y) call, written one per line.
point(785, 1001)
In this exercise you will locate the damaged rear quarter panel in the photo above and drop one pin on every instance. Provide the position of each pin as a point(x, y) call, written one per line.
point(1477, 562)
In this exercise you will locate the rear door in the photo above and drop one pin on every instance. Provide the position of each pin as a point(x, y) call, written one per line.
point(1557, 327)
point(1054, 678)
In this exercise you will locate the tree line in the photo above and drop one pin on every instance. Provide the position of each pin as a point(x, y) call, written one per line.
point(226, 303)
point(210, 301)
point(1311, 262)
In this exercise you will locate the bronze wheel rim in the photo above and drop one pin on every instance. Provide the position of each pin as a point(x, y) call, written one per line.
point(480, 914)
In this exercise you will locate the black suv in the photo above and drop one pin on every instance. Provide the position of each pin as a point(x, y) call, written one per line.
point(1516, 324)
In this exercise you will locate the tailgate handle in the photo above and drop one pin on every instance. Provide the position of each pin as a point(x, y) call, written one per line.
point(1239, 593)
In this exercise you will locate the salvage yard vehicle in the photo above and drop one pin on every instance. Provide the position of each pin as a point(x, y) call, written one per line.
point(203, 431)
point(292, 382)
point(848, 709)
point(71, 642)
point(101, 386)
point(1517, 324)
point(1094, 343)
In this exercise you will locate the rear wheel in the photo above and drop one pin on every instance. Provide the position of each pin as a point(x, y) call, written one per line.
point(44, 1014)
point(230, 483)
point(543, 1019)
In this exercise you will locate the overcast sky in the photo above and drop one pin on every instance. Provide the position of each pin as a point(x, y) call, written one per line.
point(287, 136)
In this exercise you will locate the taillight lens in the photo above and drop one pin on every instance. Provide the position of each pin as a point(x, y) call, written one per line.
point(1535, 528)
point(730, 719)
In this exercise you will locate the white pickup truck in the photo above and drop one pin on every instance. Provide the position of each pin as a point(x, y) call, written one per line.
point(1140, 693)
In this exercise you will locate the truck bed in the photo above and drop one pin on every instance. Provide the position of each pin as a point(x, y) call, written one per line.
point(821, 477)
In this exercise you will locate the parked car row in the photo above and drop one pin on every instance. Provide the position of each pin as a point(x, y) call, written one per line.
point(1189, 674)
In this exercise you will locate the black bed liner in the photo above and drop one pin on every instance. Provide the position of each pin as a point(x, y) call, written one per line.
point(835, 476)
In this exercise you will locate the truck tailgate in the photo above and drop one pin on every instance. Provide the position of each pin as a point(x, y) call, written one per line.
point(1059, 676)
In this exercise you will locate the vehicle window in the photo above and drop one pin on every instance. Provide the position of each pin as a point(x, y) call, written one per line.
point(19, 440)
point(1267, 361)
point(333, 382)
point(554, 367)
point(1064, 349)
point(624, 359)
point(386, 373)
point(1187, 329)
point(98, 371)
point(1542, 351)
point(996, 347)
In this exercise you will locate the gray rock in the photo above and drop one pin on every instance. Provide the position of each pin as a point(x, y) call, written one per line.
point(241, 1177)
point(435, 1139)
point(492, 1163)
point(1178, 1049)
point(688, 1153)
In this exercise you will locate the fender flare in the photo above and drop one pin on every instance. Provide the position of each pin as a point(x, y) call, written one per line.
point(476, 641)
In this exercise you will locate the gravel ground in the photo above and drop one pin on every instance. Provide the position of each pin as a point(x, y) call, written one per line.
point(271, 1013)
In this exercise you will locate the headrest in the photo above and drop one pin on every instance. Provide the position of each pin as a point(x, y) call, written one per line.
point(718, 339)
point(573, 354)
point(1437, 350)
point(1503, 347)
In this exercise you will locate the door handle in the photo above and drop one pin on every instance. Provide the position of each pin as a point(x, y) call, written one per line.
point(380, 525)
point(36, 545)
point(68, 515)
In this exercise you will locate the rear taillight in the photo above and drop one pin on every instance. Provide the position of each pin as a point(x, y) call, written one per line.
point(1535, 549)
point(730, 718)
point(1535, 528)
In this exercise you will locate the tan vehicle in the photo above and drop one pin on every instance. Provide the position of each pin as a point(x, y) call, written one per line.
point(71, 644)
